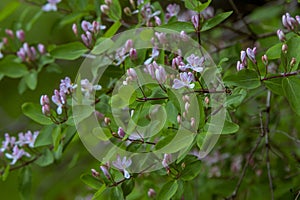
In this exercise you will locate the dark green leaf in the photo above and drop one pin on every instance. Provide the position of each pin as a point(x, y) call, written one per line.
point(127, 187)
point(34, 112)
point(275, 85)
point(274, 52)
point(9, 9)
point(45, 159)
point(69, 51)
point(216, 20)
point(191, 170)
point(291, 88)
point(44, 137)
point(25, 183)
point(245, 79)
point(179, 26)
point(293, 50)
point(168, 190)
point(91, 181)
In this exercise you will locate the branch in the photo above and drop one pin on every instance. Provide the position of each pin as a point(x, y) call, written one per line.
point(282, 75)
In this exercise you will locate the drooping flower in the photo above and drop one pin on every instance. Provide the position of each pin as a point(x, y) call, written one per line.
point(251, 54)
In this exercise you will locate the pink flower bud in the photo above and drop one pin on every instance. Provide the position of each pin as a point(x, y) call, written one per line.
point(298, 19)
point(251, 54)
point(151, 193)
point(95, 173)
point(99, 115)
point(239, 66)
point(128, 45)
point(74, 29)
point(44, 100)
point(187, 106)
point(160, 74)
point(96, 26)
point(193, 121)
point(41, 48)
point(108, 2)
point(157, 20)
point(85, 40)
point(86, 26)
point(104, 169)
point(33, 53)
point(46, 110)
point(167, 159)
point(243, 58)
point(20, 35)
point(284, 48)
point(9, 33)
point(131, 73)
point(107, 121)
point(206, 100)
point(195, 21)
point(264, 59)
point(281, 35)
point(5, 40)
point(104, 9)
point(133, 54)
point(121, 132)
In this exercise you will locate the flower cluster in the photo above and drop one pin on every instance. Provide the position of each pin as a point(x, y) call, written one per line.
point(66, 88)
point(14, 149)
point(126, 51)
point(29, 53)
point(250, 53)
point(157, 72)
point(90, 31)
point(289, 22)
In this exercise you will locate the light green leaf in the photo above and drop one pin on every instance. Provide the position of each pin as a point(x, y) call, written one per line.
point(99, 194)
point(196, 5)
point(112, 30)
point(245, 79)
point(34, 112)
point(11, 69)
point(291, 88)
point(56, 137)
point(70, 51)
point(6, 173)
point(168, 190)
point(216, 20)
point(115, 10)
point(91, 181)
point(45, 159)
point(31, 79)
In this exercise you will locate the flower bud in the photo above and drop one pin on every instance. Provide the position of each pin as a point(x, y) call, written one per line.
point(281, 35)
point(121, 132)
point(151, 193)
point(293, 62)
point(85, 40)
point(44, 100)
point(178, 119)
point(167, 159)
point(284, 48)
point(160, 74)
point(108, 2)
point(195, 21)
point(104, 169)
point(132, 3)
point(74, 29)
point(128, 45)
point(243, 58)
point(132, 73)
point(239, 66)
point(107, 120)
point(41, 49)
point(264, 59)
point(20, 35)
point(193, 121)
point(104, 9)
point(251, 54)
point(5, 40)
point(157, 20)
point(127, 11)
point(187, 106)
point(95, 173)
point(46, 110)
point(298, 19)
point(9, 33)
point(206, 100)
point(133, 54)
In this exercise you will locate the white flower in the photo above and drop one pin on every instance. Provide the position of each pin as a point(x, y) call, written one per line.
point(16, 155)
point(122, 165)
point(184, 81)
point(195, 63)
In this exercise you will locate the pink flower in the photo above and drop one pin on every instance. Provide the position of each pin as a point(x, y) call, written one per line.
point(184, 81)
point(123, 165)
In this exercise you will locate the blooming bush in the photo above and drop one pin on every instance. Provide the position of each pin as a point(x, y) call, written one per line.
point(149, 99)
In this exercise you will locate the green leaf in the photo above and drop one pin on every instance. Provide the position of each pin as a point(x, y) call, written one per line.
point(91, 181)
point(293, 50)
point(112, 30)
point(168, 190)
point(31, 79)
point(115, 10)
point(71, 18)
point(34, 112)
point(245, 79)
point(291, 88)
point(172, 112)
point(99, 194)
point(44, 138)
point(45, 159)
point(216, 20)
point(25, 183)
point(127, 187)
point(56, 137)
point(230, 127)
point(274, 52)
point(70, 51)
point(9, 9)
point(191, 170)
point(196, 5)
point(275, 85)
point(12, 69)
point(179, 26)
point(6, 173)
